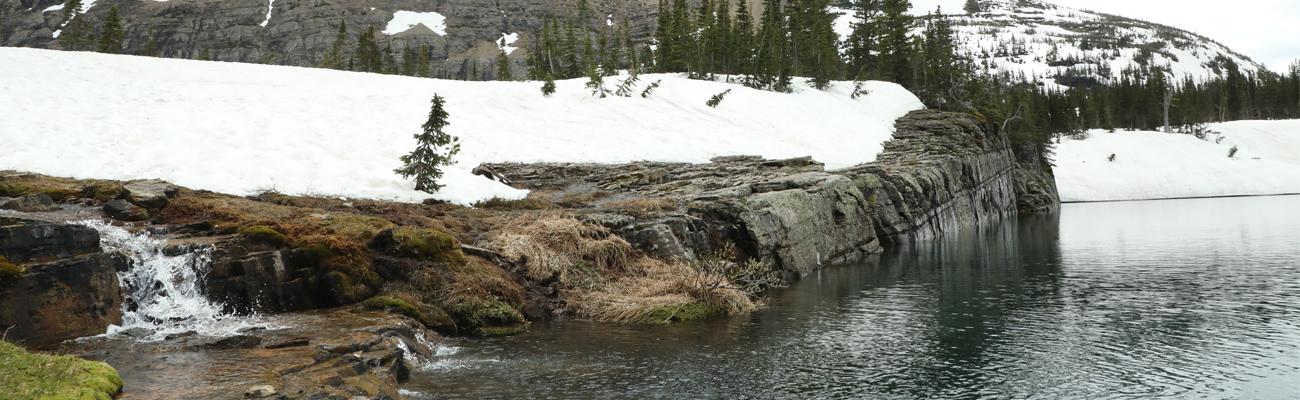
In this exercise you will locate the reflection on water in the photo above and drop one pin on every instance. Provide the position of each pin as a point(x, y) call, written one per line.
point(1171, 299)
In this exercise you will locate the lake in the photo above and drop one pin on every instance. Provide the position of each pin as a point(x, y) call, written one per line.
point(1166, 299)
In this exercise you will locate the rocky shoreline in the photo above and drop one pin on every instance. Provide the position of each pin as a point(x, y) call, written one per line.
point(629, 243)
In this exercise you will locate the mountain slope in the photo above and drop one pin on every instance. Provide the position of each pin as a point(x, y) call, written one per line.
point(240, 128)
point(1061, 46)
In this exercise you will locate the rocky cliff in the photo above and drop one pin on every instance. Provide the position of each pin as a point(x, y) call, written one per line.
point(58, 284)
point(941, 173)
point(300, 32)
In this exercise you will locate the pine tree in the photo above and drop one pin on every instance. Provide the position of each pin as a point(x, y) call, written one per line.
point(206, 55)
point(862, 41)
point(334, 59)
point(894, 27)
point(548, 87)
point(77, 34)
point(422, 67)
point(596, 82)
point(434, 149)
point(627, 86)
point(940, 68)
point(742, 46)
point(814, 42)
point(973, 6)
point(503, 62)
point(110, 37)
point(772, 64)
point(150, 46)
point(368, 56)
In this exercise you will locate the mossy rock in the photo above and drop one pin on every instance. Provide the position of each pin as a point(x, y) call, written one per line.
point(346, 290)
point(488, 317)
point(264, 234)
point(392, 304)
point(693, 311)
point(420, 243)
point(10, 270)
point(103, 191)
point(27, 375)
point(20, 189)
point(431, 317)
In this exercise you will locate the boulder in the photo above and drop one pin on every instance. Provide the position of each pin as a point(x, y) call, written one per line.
point(30, 203)
point(150, 194)
point(123, 210)
point(38, 241)
point(64, 299)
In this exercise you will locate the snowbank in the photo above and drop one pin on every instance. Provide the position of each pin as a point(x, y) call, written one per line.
point(1153, 165)
point(404, 20)
point(240, 128)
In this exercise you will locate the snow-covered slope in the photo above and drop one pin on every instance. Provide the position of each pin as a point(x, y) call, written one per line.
point(1063, 46)
point(1153, 165)
point(240, 128)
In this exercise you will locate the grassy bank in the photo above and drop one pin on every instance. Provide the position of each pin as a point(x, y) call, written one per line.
point(29, 375)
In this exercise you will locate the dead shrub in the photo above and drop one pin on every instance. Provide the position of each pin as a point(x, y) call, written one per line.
point(642, 206)
point(573, 252)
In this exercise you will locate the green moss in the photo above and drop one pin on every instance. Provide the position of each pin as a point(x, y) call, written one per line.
point(347, 290)
point(103, 191)
point(26, 375)
point(684, 312)
point(488, 317)
point(264, 234)
point(9, 270)
point(527, 203)
point(430, 244)
point(20, 189)
point(393, 304)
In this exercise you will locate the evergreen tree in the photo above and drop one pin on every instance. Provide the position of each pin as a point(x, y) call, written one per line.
point(150, 46)
point(434, 149)
point(973, 6)
point(368, 56)
point(77, 32)
point(772, 65)
point(863, 40)
point(503, 62)
point(548, 87)
point(206, 55)
point(941, 71)
point(422, 67)
point(895, 47)
point(742, 40)
point(628, 86)
point(110, 36)
point(334, 59)
point(814, 43)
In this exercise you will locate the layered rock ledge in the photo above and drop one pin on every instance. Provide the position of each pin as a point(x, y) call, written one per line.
point(941, 173)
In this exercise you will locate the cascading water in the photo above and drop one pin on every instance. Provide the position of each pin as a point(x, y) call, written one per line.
point(163, 293)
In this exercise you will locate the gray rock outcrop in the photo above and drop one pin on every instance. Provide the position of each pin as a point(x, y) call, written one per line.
point(941, 173)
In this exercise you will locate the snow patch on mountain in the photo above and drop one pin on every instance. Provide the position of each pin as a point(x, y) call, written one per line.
point(1154, 165)
point(405, 20)
point(1062, 47)
point(242, 128)
point(270, 5)
point(507, 41)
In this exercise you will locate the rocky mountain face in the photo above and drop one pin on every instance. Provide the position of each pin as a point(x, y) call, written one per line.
point(1057, 45)
point(300, 32)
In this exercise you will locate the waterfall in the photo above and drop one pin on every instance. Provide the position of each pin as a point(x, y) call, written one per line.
point(163, 293)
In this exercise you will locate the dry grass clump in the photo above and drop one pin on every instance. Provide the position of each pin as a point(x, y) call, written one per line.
point(573, 252)
point(658, 292)
point(642, 206)
point(19, 184)
point(527, 203)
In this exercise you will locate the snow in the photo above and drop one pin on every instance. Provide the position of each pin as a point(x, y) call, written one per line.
point(55, 7)
point(1018, 39)
point(270, 5)
point(241, 128)
point(509, 39)
point(1154, 165)
point(85, 6)
point(404, 20)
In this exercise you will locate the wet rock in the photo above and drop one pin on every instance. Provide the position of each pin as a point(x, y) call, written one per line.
point(181, 335)
point(235, 342)
point(24, 240)
point(30, 203)
point(260, 391)
point(151, 194)
point(136, 333)
point(123, 210)
point(67, 286)
point(294, 342)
